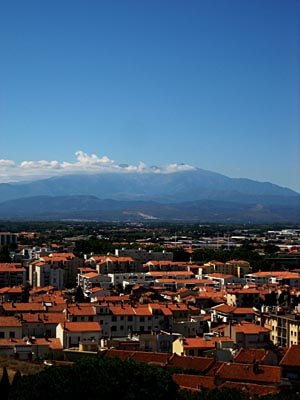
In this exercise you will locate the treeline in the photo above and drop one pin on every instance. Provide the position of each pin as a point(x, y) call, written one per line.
point(111, 378)
point(244, 252)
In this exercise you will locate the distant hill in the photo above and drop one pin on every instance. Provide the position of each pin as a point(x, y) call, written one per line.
point(165, 188)
point(92, 208)
point(182, 196)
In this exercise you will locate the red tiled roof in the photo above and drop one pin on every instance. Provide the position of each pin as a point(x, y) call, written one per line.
point(91, 275)
point(250, 388)
point(151, 358)
point(9, 322)
point(81, 326)
point(79, 310)
point(11, 290)
point(248, 356)
point(201, 364)
point(249, 328)
point(194, 381)
point(122, 354)
point(291, 357)
point(11, 267)
point(43, 318)
point(22, 307)
point(246, 373)
point(201, 343)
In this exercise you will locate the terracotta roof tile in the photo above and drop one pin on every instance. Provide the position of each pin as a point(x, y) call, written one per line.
point(291, 357)
point(194, 381)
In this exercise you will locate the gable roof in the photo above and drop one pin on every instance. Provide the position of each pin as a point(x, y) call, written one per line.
point(201, 364)
point(194, 381)
point(246, 373)
point(81, 326)
point(291, 357)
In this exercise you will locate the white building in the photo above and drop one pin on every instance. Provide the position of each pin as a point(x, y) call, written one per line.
point(73, 333)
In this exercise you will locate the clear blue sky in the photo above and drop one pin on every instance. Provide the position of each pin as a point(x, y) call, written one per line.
point(212, 83)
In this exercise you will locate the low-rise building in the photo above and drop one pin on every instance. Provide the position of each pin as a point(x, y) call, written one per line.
point(73, 333)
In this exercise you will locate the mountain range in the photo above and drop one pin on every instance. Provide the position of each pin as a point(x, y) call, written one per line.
point(197, 195)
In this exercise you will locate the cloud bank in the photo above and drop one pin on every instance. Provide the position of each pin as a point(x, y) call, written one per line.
point(85, 163)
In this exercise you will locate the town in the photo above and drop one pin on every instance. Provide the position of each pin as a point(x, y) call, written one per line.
point(220, 305)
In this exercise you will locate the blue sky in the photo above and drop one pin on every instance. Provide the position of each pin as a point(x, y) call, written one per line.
point(211, 83)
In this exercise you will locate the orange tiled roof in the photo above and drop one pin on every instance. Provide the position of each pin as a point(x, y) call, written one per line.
point(194, 381)
point(151, 358)
point(246, 373)
point(81, 326)
point(22, 307)
point(249, 328)
point(248, 356)
point(291, 357)
point(9, 322)
point(250, 388)
point(201, 364)
point(43, 318)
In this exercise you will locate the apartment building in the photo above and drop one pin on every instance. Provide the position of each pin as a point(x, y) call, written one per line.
point(284, 326)
point(7, 238)
point(238, 268)
point(43, 274)
point(12, 274)
point(68, 262)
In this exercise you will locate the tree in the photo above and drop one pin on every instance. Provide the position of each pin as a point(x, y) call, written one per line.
point(79, 295)
point(25, 294)
point(17, 378)
point(4, 255)
point(4, 385)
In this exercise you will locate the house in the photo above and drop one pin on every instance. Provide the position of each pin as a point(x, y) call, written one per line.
point(247, 334)
point(197, 346)
point(73, 333)
point(12, 274)
point(41, 325)
point(200, 364)
point(225, 313)
point(196, 382)
point(26, 349)
point(10, 328)
point(221, 280)
point(290, 365)
point(245, 297)
point(249, 356)
point(255, 373)
point(89, 280)
point(10, 294)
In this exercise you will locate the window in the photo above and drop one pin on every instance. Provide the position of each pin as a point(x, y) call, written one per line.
point(12, 335)
point(142, 319)
point(90, 318)
point(114, 318)
point(129, 317)
point(1, 335)
point(113, 328)
point(122, 327)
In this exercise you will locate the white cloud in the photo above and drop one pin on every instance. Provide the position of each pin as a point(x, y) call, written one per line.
point(7, 163)
point(85, 163)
